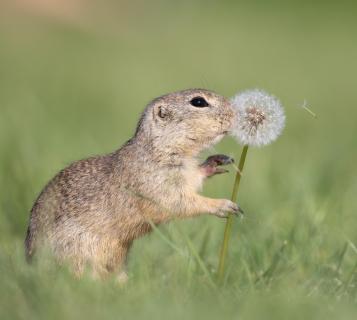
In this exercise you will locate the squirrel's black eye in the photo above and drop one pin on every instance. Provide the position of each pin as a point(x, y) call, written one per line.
point(199, 102)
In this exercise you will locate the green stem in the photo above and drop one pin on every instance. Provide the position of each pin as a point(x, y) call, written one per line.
point(228, 228)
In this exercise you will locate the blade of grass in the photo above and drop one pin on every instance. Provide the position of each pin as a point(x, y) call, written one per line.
point(195, 254)
point(166, 239)
point(341, 257)
point(268, 273)
point(203, 248)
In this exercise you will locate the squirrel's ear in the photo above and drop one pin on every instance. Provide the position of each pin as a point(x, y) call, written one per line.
point(162, 113)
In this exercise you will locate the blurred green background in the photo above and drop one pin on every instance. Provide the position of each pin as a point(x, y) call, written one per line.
point(74, 77)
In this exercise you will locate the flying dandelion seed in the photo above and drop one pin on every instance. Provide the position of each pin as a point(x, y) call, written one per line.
point(305, 107)
point(260, 118)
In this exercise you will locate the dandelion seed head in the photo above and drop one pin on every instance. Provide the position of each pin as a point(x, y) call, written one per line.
point(259, 118)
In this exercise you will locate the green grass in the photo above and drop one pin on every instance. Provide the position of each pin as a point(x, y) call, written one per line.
point(68, 91)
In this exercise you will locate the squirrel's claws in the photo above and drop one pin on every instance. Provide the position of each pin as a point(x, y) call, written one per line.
point(228, 207)
point(218, 160)
point(220, 170)
point(211, 165)
point(240, 210)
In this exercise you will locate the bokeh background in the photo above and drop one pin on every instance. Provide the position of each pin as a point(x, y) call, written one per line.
point(74, 77)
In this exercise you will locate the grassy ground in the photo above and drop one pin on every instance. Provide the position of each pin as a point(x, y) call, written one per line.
point(69, 90)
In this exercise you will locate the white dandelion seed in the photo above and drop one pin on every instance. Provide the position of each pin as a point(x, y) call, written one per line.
point(305, 107)
point(259, 119)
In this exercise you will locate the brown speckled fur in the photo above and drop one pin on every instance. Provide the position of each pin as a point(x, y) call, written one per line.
point(91, 211)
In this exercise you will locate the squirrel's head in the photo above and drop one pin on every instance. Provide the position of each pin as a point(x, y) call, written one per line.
point(186, 122)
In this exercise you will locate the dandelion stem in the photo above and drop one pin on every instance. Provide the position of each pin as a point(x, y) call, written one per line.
point(228, 228)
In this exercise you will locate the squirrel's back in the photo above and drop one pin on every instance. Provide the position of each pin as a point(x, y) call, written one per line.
point(72, 191)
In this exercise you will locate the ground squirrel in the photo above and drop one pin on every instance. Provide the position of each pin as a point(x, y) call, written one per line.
point(91, 211)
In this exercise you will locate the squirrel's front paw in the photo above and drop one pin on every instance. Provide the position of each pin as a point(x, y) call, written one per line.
point(212, 163)
point(226, 207)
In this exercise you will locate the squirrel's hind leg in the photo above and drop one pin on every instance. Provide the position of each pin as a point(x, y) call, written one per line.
point(111, 261)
